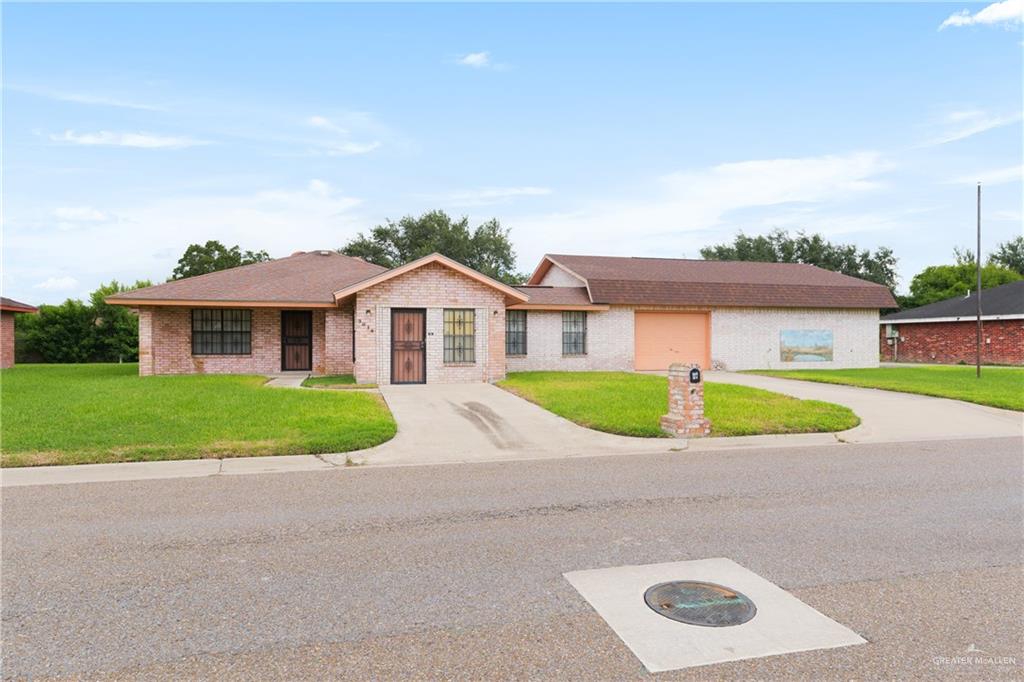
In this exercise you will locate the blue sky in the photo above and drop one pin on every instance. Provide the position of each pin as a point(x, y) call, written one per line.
point(131, 131)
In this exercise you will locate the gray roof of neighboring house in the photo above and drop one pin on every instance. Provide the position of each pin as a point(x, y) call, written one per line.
point(1007, 299)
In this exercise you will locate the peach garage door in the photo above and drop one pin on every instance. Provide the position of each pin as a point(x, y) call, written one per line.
point(664, 338)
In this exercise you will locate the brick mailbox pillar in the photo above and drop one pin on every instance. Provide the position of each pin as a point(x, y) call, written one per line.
point(685, 418)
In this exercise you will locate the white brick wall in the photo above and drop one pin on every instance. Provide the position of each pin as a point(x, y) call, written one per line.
point(609, 342)
point(741, 338)
point(748, 338)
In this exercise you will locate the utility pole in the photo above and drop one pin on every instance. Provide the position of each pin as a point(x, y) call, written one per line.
point(977, 340)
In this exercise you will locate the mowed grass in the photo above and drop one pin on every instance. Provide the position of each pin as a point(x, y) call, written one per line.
point(74, 414)
point(997, 387)
point(332, 381)
point(632, 404)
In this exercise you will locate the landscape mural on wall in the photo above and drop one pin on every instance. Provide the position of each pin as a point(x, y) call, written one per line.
point(805, 345)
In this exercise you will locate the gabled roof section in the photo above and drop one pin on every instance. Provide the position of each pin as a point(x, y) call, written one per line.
point(9, 305)
point(1004, 300)
point(304, 279)
point(511, 294)
point(676, 281)
point(546, 263)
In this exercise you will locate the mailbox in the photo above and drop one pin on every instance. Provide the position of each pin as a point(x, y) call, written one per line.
point(695, 375)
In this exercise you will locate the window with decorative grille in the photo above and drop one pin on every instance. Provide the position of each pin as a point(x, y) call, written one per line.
point(460, 335)
point(221, 331)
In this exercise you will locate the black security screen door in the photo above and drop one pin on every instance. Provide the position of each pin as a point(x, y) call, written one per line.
point(296, 340)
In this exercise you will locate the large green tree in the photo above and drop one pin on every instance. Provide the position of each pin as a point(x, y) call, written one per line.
point(939, 282)
point(779, 247)
point(116, 328)
point(80, 332)
point(486, 248)
point(212, 256)
point(1010, 255)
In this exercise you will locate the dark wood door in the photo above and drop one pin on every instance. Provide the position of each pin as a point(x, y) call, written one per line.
point(408, 346)
point(296, 340)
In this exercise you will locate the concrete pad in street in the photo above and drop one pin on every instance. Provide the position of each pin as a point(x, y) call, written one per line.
point(783, 624)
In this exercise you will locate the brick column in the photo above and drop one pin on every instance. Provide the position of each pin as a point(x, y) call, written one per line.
point(7, 340)
point(685, 416)
point(146, 359)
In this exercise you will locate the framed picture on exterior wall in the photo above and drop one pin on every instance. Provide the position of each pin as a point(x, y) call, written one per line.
point(805, 345)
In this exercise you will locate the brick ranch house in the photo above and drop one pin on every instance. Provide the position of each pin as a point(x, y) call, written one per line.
point(437, 321)
point(945, 332)
point(8, 309)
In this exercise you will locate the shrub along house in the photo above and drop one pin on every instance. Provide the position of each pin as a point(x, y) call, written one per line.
point(437, 321)
point(945, 332)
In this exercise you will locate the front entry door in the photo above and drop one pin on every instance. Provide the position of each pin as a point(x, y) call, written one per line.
point(296, 340)
point(408, 346)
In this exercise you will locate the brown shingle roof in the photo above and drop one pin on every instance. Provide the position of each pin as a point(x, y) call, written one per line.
point(672, 281)
point(545, 295)
point(12, 306)
point(310, 277)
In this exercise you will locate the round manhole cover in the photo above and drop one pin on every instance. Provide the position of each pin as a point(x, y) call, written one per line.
point(698, 603)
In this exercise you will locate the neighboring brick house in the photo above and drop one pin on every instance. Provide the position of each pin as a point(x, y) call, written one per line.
point(945, 332)
point(8, 309)
point(436, 321)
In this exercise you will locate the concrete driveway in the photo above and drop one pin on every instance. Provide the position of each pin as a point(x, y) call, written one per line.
point(480, 422)
point(889, 416)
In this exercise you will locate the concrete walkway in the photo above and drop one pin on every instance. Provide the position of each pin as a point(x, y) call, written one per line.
point(888, 416)
point(287, 380)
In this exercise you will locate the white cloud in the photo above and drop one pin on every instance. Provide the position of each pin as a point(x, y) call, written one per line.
point(58, 284)
point(997, 176)
point(77, 217)
point(959, 125)
point(86, 214)
point(144, 240)
point(1005, 12)
point(487, 195)
point(319, 188)
point(1010, 216)
point(140, 140)
point(683, 208)
point(340, 142)
point(82, 98)
point(476, 60)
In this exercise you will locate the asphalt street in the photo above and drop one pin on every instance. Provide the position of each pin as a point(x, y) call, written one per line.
point(455, 571)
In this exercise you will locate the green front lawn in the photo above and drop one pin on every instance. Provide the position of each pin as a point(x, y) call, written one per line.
point(73, 414)
point(998, 386)
point(632, 404)
point(335, 381)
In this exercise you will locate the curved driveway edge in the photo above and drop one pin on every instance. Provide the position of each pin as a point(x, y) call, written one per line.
point(448, 423)
point(890, 416)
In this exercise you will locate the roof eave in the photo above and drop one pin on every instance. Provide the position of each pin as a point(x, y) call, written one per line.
point(558, 306)
point(214, 303)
